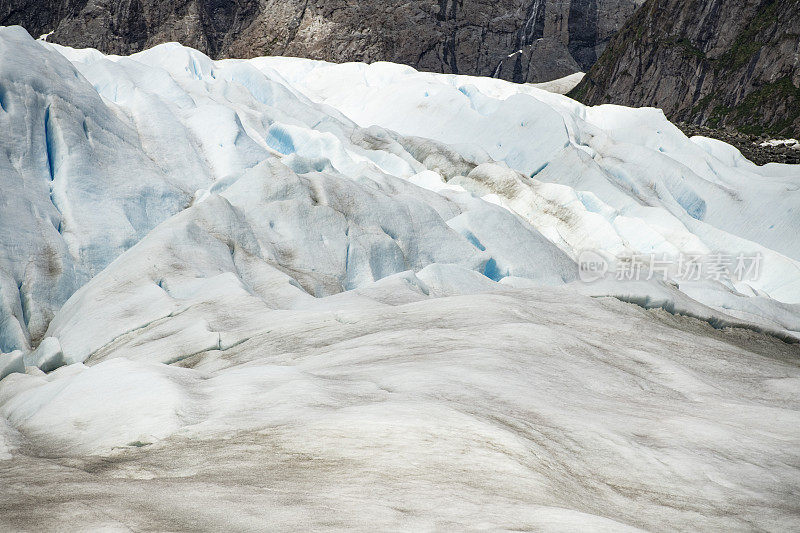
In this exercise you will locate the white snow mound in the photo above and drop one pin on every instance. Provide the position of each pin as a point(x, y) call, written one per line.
point(285, 294)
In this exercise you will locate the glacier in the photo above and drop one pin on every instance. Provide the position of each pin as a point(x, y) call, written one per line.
point(287, 294)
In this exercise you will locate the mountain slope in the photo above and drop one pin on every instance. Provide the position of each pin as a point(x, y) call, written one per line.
point(718, 63)
point(519, 40)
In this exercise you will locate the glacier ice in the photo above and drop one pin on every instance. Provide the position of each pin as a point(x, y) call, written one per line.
point(290, 294)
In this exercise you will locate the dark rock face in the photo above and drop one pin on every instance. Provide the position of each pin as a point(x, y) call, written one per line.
point(583, 31)
point(544, 59)
point(37, 17)
point(721, 63)
point(520, 40)
point(751, 146)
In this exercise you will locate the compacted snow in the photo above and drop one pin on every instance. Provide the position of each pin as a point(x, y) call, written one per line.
point(286, 294)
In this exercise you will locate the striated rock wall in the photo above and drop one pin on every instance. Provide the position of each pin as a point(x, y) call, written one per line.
point(519, 40)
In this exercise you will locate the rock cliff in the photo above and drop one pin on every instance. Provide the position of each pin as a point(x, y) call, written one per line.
point(518, 40)
point(720, 63)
